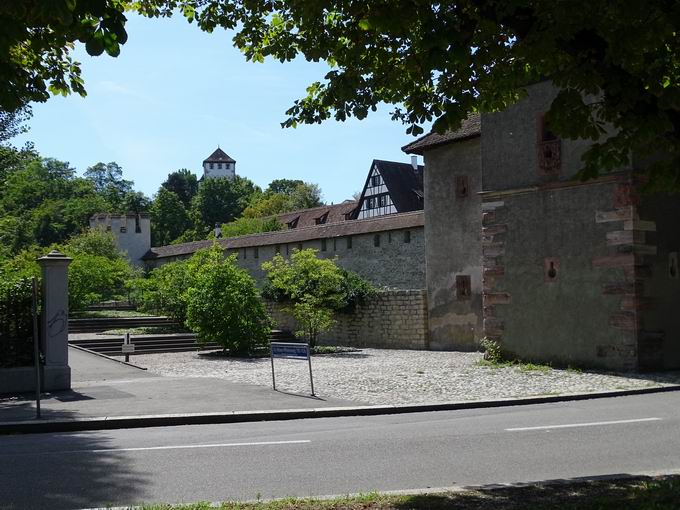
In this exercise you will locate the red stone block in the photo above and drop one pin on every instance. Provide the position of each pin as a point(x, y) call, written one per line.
point(496, 298)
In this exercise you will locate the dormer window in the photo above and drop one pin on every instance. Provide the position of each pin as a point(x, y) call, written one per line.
point(321, 219)
point(293, 223)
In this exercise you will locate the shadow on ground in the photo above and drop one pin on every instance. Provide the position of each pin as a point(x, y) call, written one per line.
point(66, 471)
point(616, 492)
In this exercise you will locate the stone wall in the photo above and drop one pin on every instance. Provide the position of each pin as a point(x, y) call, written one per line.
point(394, 319)
point(453, 245)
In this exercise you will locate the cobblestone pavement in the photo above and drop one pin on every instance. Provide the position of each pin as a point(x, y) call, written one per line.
point(379, 376)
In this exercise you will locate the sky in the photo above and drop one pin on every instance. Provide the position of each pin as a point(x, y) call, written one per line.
point(175, 93)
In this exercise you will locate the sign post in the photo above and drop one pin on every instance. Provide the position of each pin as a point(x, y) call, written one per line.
point(289, 350)
point(127, 347)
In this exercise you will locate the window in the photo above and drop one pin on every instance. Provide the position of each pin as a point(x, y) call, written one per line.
point(212, 165)
point(335, 244)
point(369, 203)
point(548, 149)
point(349, 242)
point(245, 253)
point(108, 228)
point(389, 237)
point(256, 252)
point(299, 246)
point(323, 245)
point(382, 201)
point(277, 250)
point(462, 186)
point(407, 236)
point(463, 287)
point(138, 225)
point(376, 240)
point(123, 230)
point(293, 223)
point(375, 180)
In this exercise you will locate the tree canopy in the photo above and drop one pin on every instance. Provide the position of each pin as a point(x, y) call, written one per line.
point(616, 63)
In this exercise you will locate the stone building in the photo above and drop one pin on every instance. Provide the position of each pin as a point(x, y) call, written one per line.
point(570, 272)
point(387, 250)
point(131, 231)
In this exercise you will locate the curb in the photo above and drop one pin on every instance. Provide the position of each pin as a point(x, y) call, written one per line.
point(170, 420)
point(103, 356)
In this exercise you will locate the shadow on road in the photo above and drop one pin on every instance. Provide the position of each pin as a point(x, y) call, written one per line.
point(65, 471)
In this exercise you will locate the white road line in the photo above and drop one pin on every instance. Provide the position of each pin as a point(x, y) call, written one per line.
point(171, 447)
point(591, 424)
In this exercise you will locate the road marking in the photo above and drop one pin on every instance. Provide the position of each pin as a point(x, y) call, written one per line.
point(591, 424)
point(189, 446)
point(171, 447)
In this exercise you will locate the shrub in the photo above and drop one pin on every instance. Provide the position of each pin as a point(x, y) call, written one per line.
point(492, 350)
point(16, 323)
point(224, 306)
point(315, 288)
point(313, 319)
point(165, 290)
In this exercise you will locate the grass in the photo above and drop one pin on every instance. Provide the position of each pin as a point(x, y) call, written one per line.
point(144, 330)
point(108, 314)
point(332, 349)
point(641, 493)
point(520, 365)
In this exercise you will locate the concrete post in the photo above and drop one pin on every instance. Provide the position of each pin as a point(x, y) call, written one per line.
point(54, 321)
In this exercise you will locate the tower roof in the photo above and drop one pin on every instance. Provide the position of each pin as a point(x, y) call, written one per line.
point(219, 156)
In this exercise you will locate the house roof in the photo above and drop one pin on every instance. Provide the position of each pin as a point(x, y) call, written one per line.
point(469, 128)
point(297, 235)
point(219, 156)
point(405, 184)
point(308, 217)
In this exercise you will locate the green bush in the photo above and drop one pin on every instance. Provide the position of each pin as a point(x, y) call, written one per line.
point(492, 350)
point(224, 306)
point(16, 323)
point(315, 288)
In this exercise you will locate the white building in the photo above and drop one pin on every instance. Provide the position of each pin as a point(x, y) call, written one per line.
point(132, 233)
point(219, 164)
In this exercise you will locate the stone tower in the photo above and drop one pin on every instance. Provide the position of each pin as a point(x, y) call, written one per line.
point(219, 164)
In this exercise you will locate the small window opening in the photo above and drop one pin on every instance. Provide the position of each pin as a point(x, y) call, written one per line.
point(245, 253)
point(407, 236)
point(462, 186)
point(138, 225)
point(376, 240)
point(349, 242)
point(256, 252)
point(299, 246)
point(323, 245)
point(463, 287)
point(277, 250)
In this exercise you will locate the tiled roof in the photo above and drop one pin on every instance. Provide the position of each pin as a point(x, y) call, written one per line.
point(469, 128)
point(405, 184)
point(219, 156)
point(297, 235)
point(308, 217)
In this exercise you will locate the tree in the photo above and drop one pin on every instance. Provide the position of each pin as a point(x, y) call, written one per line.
point(38, 37)
point(615, 62)
point(169, 218)
point(184, 184)
point(314, 289)
point(221, 200)
point(109, 183)
point(283, 195)
point(225, 307)
point(245, 226)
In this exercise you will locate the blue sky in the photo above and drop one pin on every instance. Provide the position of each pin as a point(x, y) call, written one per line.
point(175, 93)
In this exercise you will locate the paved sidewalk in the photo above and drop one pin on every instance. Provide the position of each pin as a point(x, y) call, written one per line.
point(105, 388)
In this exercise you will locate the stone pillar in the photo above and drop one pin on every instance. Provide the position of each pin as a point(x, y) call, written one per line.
point(54, 321)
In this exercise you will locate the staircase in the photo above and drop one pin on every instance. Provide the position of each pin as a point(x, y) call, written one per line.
point(150, 344)
point(104, 324)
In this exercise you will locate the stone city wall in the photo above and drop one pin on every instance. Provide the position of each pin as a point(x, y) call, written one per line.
point(395, 319)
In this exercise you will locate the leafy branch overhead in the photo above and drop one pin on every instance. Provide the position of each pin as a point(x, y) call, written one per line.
point(617, 63)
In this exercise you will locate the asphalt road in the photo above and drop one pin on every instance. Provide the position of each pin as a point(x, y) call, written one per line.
point(623, 435)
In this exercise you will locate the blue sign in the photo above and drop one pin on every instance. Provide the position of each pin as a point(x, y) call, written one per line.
point(290, 350)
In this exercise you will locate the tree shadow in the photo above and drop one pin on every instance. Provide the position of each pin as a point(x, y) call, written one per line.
point(67, 470)
point(611, 492)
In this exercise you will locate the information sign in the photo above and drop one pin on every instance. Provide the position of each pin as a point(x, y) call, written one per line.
point(290, 350)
